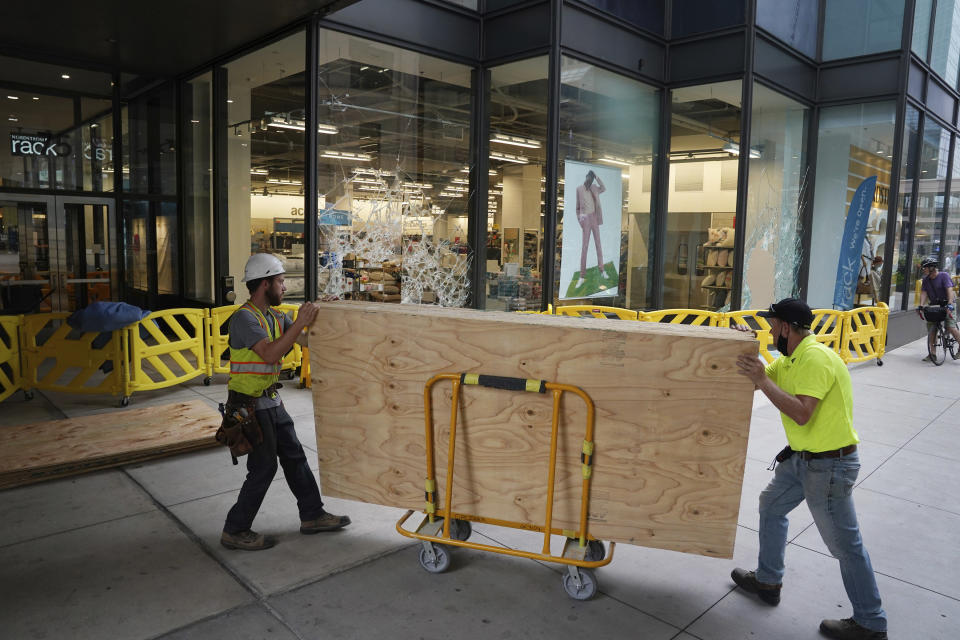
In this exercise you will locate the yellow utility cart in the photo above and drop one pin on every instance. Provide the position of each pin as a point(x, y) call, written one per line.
point(442, 528)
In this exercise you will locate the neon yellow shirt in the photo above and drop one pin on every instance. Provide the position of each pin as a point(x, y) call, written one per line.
point(815, 370)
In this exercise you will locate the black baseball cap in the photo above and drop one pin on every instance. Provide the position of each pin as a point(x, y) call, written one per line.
point(792, 310)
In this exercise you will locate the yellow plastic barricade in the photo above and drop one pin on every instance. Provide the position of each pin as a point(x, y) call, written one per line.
point(292, 360)
point(9, 355)
point(591, 311)
point(865, 334)
point(57, 357)
point(167, 348)
point(683, 316)
point(827, 326)
point(218, 340)
point(755, 322)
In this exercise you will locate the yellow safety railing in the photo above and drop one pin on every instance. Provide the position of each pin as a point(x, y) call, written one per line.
point(696, 317)
point(167, 348)
point(589, 311)
point(827, 326)
point(864, 334)
point(9, 355)
point(57, 357)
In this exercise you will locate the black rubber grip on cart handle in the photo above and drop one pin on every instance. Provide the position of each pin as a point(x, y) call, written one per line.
point(504, 382)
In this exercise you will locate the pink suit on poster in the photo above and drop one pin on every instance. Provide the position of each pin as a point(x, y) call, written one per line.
point(590, 217)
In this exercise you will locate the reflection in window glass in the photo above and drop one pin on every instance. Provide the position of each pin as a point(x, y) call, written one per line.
point(150, 143)
point(791, 21)
point(647, 14)
point(902, 282)
point(699, 16)
point(136, 217)
point(167, 258)
point(197, 219)
point(854, 143)
point(608, 127)
point(952, 244)
point(704, 146)
point(518, 140)
point(56, 142)
point(265, 151)
point(921, 28)
point(393, 176)
point(859, 27)
point(934, 155)
point(945, 53)
point(777, 184)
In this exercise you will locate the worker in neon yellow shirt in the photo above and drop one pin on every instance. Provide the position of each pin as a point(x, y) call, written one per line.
point(810, 385)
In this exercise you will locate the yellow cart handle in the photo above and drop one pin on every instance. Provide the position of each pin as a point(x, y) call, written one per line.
point(504, 382)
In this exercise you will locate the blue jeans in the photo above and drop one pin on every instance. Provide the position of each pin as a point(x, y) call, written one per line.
point(280, 442)
point(826, 484)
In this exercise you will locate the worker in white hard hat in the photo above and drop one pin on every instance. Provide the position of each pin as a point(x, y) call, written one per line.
point(260, 336)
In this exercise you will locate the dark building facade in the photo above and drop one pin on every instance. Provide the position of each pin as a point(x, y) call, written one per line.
point(644, 154)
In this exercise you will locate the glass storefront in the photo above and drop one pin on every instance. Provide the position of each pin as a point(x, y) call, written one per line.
point(392, 173)
point(608, 140)
point(854, 142)
point(196, 221)
point(945, 52)
point(901, 285)
point(778, 177)
point(517, 173)
point(266, 112)
point(934, 155)
point(951, 244)
point(702, 198)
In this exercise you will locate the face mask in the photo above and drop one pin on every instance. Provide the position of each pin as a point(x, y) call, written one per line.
point(782, 345)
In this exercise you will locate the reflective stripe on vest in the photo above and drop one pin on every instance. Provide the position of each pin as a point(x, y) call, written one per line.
point(249, 374)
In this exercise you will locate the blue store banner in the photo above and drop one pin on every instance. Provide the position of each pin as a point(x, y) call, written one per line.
point(848, 266)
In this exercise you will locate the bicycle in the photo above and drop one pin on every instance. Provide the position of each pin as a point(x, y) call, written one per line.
point(939, 340)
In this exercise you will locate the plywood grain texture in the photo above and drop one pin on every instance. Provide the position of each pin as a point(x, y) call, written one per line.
point(57, 448)
point(671, 433)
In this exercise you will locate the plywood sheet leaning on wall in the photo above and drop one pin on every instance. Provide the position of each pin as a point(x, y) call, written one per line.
point(57, 448)
point(671, 425)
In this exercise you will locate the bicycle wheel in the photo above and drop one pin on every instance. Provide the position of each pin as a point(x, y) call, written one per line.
point(936, 345)
point(952, 346)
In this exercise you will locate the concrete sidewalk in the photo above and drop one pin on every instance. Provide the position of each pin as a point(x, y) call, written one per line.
point(134, 552)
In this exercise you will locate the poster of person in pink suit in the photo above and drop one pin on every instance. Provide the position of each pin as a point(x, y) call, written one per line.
point(591, 229)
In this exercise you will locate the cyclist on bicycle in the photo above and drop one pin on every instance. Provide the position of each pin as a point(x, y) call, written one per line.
point(937, 289)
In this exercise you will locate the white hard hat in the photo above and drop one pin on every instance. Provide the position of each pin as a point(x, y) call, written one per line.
point(262, 265)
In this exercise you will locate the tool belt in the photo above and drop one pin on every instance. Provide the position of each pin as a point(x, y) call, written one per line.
point(240, 430)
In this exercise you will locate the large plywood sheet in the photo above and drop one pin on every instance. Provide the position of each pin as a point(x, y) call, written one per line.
point(57, 448)
point(671, 425)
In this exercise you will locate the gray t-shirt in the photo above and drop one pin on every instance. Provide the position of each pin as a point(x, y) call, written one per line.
point(245, 331)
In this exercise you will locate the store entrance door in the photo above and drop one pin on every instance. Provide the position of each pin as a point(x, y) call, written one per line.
point(56, 252)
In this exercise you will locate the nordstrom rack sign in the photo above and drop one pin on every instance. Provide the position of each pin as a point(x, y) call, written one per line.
point(37, 144)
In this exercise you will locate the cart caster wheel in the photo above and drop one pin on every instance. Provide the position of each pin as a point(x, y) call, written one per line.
point(587, 588)
point(124, 401)
point(28, 395)
point(460, 529)
point(206, 381)
point(879, 362)
point(595, 551)
point(440, 562)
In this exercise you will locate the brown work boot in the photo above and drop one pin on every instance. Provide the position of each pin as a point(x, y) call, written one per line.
point(747, 580)
point(326, 522)
point(848, 629)
point(246, 541)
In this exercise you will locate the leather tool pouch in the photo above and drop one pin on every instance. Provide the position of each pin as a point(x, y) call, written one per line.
point(239, 429)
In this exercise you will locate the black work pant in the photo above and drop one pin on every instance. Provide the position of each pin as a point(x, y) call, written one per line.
point(280, 443)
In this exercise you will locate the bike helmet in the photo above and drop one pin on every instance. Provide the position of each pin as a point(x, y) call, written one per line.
point(930, 261)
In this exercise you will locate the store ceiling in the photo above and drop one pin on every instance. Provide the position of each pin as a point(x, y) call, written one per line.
point(146, 38)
